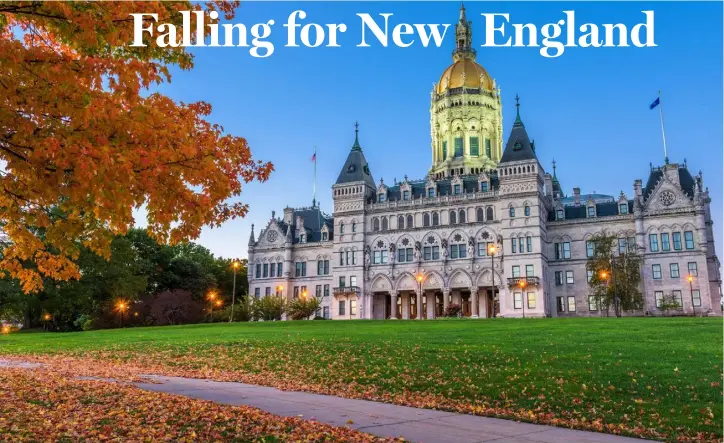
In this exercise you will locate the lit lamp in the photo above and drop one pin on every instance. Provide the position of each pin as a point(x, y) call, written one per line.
point(690, 278)
point(523, 297)
point(420, 278)
point(46, 317)
point(279, 290)
point(121, 307)
point(491, 251)
point(6, 330)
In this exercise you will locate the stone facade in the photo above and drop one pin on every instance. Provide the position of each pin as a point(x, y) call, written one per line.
point(390, 249)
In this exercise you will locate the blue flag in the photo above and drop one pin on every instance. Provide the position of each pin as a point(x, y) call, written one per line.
point(656, 103)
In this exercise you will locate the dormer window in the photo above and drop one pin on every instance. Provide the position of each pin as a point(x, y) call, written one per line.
point(302, 238)
point(325, 236)
point(591, 211)
point(457, 189)
point(381, 198)
point(430, 192)
point(405, 195)
point(483, 186)
point(623, 208)
point(560, 214)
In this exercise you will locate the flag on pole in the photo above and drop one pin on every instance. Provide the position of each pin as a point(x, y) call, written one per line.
point(656, 103)
point(314, 157)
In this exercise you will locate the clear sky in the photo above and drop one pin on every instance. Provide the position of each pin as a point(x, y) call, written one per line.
point(588, 109)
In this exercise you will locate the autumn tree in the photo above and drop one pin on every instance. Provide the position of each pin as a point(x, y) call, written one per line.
point(615, 269)
point(82, 133)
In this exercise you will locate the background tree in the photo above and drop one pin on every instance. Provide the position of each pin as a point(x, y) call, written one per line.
point(303, 307)
point(176, 307)
point(615, 275)
point(270, 307)
point(80, 133)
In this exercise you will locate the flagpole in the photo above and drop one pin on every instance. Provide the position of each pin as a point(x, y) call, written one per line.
point(663, 133)
point(314, 186)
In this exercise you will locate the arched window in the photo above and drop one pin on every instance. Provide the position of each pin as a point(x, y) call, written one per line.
point(480, 215)
point(384, 223)
point(375, 224)
point(453, 218)
point(400, 222)
point(341, 228)
point(512, 212)
point(426, 219)
point(354, 227)
point(410, 222)
point(526, 210)
point(489, 215)
point(461, 217)
point(435, 219)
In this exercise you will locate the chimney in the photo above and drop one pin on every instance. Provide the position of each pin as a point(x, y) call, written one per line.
point(549, 184)
point(637, 188)
point(577, 196)
point(288, 214)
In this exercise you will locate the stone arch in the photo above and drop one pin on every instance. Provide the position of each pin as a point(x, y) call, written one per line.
point(405, 282)
point(489, 213)
point(484, 278)
point(433, 280)
point(462, 233)
point(381, 283)
point(410, 241)
point(428, 235)
point(460, 279)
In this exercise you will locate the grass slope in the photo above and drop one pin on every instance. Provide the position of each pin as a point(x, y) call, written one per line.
point(652, 377)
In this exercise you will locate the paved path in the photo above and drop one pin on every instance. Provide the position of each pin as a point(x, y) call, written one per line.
point(417, 425)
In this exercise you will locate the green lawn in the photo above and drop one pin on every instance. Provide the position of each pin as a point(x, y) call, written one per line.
point(654, 377)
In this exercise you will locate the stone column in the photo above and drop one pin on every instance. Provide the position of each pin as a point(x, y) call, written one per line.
point(419, 305)
point(474, 306)
point(405, 306)
point(393, 305)
point(483, 297)
point(430, 305)
point(445, 296)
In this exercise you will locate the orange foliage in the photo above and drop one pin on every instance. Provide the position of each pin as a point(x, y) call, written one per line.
point(82, 142)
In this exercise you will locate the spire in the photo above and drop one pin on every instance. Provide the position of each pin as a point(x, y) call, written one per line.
point(463, 37)
point(518, 121)
point(356, 146)
point(356, 168)
point(554, 170)
point(251, 236)
point(519, 146)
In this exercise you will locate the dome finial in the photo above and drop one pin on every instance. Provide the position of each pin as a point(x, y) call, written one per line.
point(462, 12)
point(554, 167)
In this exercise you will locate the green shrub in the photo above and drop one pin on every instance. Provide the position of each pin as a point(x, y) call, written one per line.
point(303, 308)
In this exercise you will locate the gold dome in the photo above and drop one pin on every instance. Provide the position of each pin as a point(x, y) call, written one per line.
point(475, 76)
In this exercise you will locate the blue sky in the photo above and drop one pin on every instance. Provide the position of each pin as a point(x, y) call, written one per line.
point(588, 108)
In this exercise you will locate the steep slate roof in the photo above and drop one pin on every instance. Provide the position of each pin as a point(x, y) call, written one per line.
point(314, 220)
point(686, 181)
point(356, 169)
point(518, 147)
point(606, 209)
point(443, 187)
point(597, 198)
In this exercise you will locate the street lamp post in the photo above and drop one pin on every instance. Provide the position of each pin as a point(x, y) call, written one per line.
point(524, 298)
point(691, 291)
point(420, 278)
point(491, 251)
point(616, 299)
point(212, 298)
point(121, 308)
point(604, 276)
point(235, 265)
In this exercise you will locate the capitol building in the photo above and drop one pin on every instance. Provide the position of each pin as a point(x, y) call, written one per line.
point(488, 228)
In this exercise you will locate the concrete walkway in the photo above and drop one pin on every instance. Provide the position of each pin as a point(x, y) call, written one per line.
point(413, 424)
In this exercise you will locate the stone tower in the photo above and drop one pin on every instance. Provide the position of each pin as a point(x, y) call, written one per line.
point(466, 121)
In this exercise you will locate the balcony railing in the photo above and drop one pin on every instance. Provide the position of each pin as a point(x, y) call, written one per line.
point(529, 281)
point(345, 290)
